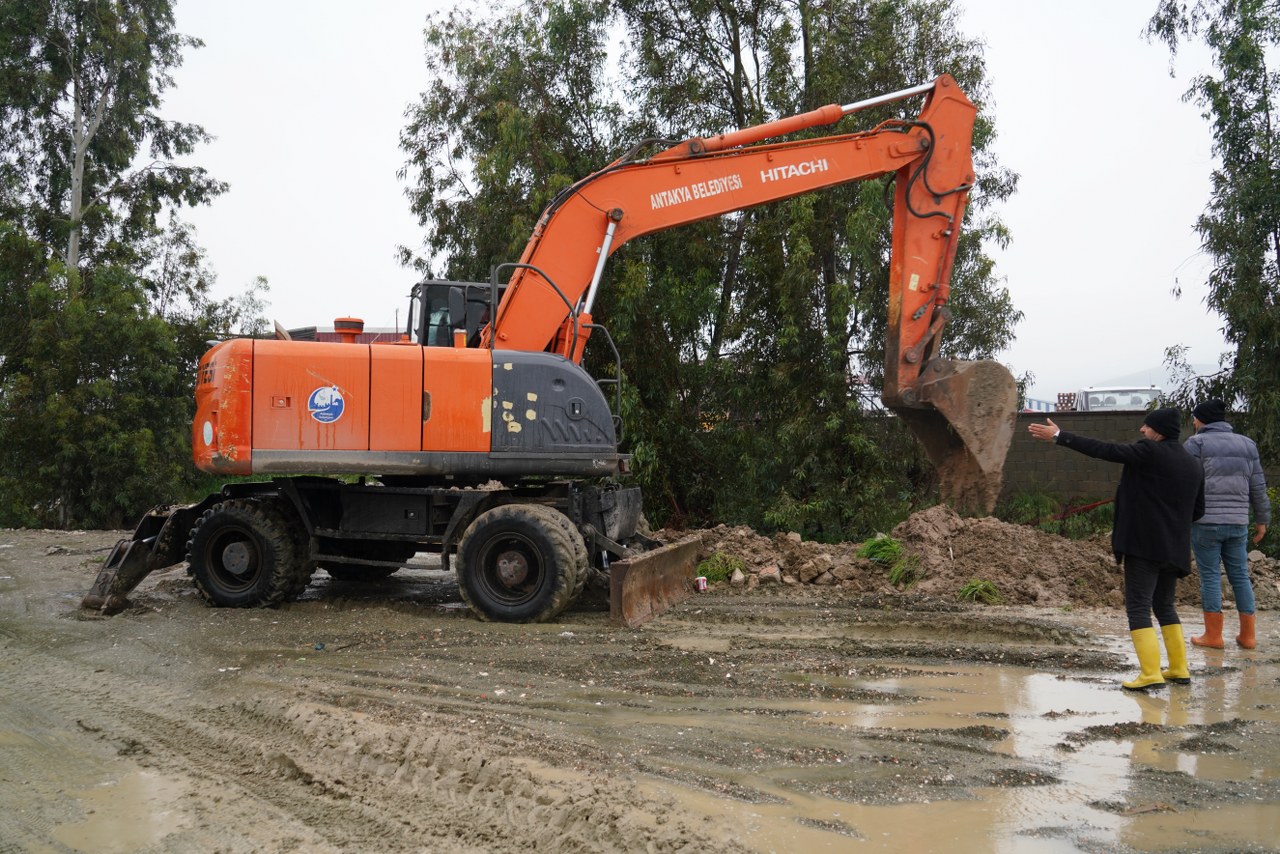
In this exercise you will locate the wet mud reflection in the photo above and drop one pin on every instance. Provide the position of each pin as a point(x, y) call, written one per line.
point(1098, 768)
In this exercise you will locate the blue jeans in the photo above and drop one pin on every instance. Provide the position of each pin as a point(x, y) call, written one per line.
point(1225, 545)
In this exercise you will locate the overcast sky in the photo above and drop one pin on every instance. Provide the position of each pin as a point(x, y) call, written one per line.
point(307, 104)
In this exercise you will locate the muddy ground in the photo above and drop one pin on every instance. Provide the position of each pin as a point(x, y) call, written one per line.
point(826, 711)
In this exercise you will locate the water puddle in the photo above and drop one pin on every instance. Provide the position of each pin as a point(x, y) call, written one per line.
point(129, 814)
point(1090, 739)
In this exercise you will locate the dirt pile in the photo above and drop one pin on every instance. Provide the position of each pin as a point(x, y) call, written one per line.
point(1026, 566)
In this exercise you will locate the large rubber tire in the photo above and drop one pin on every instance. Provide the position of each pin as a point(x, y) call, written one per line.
point(581, 558)
point(517, 564)
point(304, 567)
point(242, 555)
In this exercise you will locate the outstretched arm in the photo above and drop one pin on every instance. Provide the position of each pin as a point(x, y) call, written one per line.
point(1115, 452)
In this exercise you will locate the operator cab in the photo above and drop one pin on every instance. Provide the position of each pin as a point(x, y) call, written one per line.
point(438, 307)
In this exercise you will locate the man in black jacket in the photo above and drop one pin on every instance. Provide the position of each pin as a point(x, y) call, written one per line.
point(1161, 493)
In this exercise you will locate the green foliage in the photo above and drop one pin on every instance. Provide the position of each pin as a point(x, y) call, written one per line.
point(1028, 508)
point(79, 109)
point(753, 344)
point(519, 96)
point(721, 566)
point(104, 309)
point(96, 396)
point(1055, 517)
point(1088, 523)
point(95, 409)
point(1240, 225)
point(980, 590)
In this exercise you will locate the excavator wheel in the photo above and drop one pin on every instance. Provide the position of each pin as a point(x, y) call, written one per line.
point(517, 565)
point(581, 557)
point(242, 555)
point(304, 566)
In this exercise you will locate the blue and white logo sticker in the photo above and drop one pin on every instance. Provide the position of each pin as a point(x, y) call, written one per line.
point(326, 404)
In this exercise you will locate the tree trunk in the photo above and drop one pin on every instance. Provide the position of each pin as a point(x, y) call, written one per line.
point(79, 144)
point(81, 136)
point(726, 288)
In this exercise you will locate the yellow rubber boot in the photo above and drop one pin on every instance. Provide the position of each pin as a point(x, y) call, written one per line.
point(1147, 644)
point(1212, 636)
point(1176, 649)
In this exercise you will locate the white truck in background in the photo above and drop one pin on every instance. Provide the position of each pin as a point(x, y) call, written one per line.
point(1110, 399)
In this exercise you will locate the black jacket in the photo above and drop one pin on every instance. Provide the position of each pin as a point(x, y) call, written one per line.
point(1161, 493)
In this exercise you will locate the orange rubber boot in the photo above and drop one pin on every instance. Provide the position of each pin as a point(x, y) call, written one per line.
point(1212, 636)
point(1246, 638)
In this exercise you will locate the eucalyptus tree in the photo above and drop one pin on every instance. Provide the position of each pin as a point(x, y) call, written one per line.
point(1240, 225)
point(90, 162)
point(105, 295)
point(516, 110)
point(790, 350)
point(753, 343)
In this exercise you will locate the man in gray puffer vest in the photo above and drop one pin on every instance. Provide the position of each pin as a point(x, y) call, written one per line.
point(1233, 484)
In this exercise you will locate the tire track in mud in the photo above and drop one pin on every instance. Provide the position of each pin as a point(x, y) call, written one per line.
point(657, 687)
point(114, 728)
point(329, 778)
point(373, 719)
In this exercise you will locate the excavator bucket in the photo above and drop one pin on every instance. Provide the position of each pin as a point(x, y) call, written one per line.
point(157, 542)
point(642, 587)
point(965, 426)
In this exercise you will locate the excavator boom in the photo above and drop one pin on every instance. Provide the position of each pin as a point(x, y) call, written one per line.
point(962, 412)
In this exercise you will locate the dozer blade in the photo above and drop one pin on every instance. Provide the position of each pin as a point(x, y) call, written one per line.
point(965, 426)
point(157, 542)
point(642, 587)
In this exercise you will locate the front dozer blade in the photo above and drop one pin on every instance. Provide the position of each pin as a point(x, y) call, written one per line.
point(965, 426)
point(157, 542)
point(642, 587)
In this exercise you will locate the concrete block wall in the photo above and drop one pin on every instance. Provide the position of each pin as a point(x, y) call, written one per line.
point(1039, 467)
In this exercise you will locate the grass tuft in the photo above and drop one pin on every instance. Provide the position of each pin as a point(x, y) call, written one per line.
point(980, 590)
point(720, 567)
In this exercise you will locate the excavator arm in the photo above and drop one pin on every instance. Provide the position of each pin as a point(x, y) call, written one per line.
point(962, 412)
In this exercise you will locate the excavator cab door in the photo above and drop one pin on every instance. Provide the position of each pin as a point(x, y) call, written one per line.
point(449, 308)
point(457, 308)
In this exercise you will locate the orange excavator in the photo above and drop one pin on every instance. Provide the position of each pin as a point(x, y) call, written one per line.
point(479, 436)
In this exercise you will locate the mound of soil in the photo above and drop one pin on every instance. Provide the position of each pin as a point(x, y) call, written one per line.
point(1025, 565)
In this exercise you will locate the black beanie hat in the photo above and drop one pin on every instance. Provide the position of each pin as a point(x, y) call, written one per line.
point(1210, 411)
point(1166, 422)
